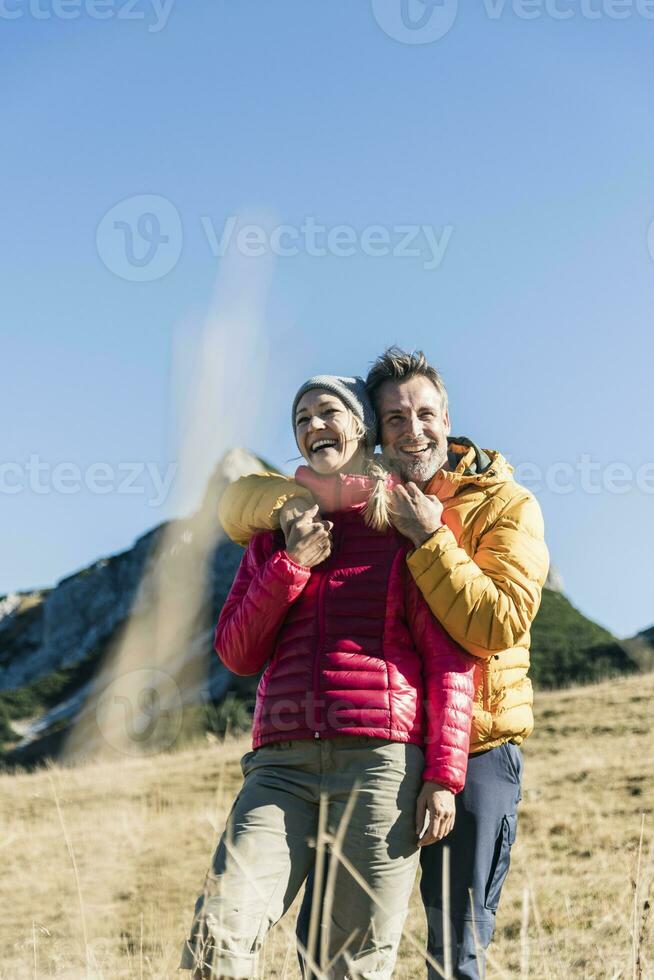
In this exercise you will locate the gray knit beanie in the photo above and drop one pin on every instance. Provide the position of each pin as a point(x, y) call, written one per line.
point(353, 392)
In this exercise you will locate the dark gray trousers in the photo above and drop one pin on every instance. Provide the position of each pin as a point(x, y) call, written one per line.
point(479, 845)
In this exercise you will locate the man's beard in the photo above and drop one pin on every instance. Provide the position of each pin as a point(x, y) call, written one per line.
point(419, 470)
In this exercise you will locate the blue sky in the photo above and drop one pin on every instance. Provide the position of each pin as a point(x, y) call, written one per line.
point(523, 146)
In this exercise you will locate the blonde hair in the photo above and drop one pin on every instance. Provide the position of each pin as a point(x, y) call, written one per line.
point(375, 513)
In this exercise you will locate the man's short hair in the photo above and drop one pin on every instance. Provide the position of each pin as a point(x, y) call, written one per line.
point(397, 365)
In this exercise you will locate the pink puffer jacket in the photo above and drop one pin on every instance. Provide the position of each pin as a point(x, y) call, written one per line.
point(351, 645)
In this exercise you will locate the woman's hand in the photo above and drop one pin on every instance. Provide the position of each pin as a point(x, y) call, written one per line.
point(291, 510)
point(308, 541)
point(438, 802)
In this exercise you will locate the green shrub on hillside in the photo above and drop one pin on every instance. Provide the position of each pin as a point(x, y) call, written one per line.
point(567, 648)
point(7, 734)
point(48, 691)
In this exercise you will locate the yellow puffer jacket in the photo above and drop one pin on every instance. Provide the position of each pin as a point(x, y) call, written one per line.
point(481, 573)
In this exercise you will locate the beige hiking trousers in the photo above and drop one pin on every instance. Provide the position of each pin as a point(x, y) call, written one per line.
point(369, 788)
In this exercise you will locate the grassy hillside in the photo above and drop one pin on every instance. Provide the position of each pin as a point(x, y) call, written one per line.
point(105, 861)
point(567, 648)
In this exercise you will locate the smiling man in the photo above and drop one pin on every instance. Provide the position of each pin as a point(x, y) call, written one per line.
point(413, 416)
point(480, 560)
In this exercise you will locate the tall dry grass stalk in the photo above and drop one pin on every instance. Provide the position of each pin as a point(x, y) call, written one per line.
point(641, 884)
point(447, 920)
point(524, 935)
point(332, 871)
point(73, 861)
point(319, 872)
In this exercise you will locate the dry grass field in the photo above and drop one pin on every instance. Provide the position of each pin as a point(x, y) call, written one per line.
point(102, 864)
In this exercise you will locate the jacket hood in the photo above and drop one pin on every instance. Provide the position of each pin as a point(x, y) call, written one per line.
point(468, 465)
point(339, 491)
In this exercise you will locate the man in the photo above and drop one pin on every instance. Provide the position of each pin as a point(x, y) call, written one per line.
point(480, 561)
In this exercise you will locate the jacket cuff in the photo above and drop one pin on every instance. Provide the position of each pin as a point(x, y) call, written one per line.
point(452, 780)
point(291, 566)
point(286, 577)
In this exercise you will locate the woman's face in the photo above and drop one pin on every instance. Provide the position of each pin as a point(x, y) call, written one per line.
point(326, 432)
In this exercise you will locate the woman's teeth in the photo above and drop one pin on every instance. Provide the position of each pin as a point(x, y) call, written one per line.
point(323, 444)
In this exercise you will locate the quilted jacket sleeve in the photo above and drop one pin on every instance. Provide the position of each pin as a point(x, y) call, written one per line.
point(449, 690)
point(253, 502)
point(487, 602)
point(266, 585)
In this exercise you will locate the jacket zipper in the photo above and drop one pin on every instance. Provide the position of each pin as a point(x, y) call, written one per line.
point(317, 653)
point(321, 640)
point(485, 668)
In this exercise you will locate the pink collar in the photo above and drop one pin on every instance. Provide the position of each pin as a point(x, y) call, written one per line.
point(339, 491)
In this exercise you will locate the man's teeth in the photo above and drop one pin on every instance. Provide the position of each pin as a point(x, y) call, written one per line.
point(415, 449)
point(322, 444)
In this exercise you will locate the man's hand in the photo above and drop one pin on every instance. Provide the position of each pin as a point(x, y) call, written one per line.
point(309, 541)
point(291, 510)
point(415, 514)
point(438, 803)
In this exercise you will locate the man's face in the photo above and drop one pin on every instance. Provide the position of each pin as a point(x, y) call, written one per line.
point(414, 428)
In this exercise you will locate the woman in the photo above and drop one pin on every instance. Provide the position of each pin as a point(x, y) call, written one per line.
point(339, 725)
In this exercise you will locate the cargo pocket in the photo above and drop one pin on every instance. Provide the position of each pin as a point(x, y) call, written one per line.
point(501, 858)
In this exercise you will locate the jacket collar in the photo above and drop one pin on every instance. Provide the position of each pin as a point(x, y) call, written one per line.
point(338, 491)
point(468, 465)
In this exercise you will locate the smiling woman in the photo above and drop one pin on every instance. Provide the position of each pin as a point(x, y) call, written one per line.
point(327, 433)
point(334, 424)
point(362, 717)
